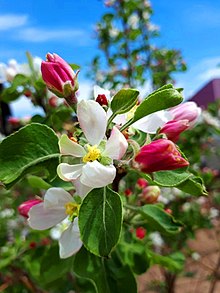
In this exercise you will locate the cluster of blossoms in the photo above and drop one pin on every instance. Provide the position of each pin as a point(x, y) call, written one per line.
point(93, 154)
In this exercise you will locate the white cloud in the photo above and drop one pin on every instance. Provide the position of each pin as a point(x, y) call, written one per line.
point(10, 21)
point(37, 35)
point(198, 75)
point(23, 107)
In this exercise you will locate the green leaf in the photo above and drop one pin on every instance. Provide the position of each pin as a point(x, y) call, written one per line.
point(158, 219)
point(193, 185)
point(134, 255)
point(100, 220)
point(106, 275)
point(162, 99)
point(32, 148)
point(124, 101)
point(171, 178)
point(74, 66)
point(37, 182)
point(20, 80)
point(53, 267)
point(173, 262)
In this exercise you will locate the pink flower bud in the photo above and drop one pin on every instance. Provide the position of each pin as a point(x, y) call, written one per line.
point(174, 128)
point(168, 211)
point(159, 155)
point(188, 110)
point(150, 194)
point(24, 208)
point(14, 121)
point(128, 192)
point(140, 232)
point(141, 183)
point(52, 101)
point(102, 100)
point(59, 76)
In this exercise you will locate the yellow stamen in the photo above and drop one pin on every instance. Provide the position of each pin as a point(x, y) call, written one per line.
point(72, 209)
point(93, 154)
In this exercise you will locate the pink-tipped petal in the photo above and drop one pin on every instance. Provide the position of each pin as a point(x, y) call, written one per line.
point(116, 145)
point(93, 121)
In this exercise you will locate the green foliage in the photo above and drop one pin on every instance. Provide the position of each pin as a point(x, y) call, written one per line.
point(158, 100)
point(173, 262)
point(158, 219)
point(100, 219)
point(106, 275)
point(124, 100)
point(33, 148)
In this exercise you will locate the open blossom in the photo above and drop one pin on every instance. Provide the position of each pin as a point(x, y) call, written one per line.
point(59, 76)
point(96, 167)
point(159, 155)
point(174, 128)
point(58, 205)
point(188, 110)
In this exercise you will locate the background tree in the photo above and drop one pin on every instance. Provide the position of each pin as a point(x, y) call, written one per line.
point(129, 57)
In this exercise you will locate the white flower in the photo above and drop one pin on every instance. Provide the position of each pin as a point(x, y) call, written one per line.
point(133, 21)
point(96, 168)
point(58, 204)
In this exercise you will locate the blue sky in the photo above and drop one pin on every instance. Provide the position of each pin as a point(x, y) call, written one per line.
point(66, 27)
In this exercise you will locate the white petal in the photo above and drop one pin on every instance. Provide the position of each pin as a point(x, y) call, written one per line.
point(69, 172)
point(152, 122)
point(93, 121)
point(70, 242)
point(41, 218)
point(81, 189)
point(100, 91)
point(69, 147)
point(116, 145)
point(97, 175)
point(56, 198)
point(120, 119)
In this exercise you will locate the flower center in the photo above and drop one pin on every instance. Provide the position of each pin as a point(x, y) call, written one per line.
point(72, 209)
point(93, 154)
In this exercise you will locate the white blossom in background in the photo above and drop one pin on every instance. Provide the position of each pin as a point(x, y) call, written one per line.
point(133, 21)
point(113, 32)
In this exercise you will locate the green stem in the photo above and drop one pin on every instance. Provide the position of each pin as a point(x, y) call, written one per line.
point(127, 124)
point(111, 119)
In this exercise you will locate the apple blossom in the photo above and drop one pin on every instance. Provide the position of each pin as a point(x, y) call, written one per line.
point(58, 204)
point(158, 155)
point(187, 110)
point(96, 167)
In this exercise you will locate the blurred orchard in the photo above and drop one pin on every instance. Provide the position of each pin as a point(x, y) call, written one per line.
point(115, 192)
